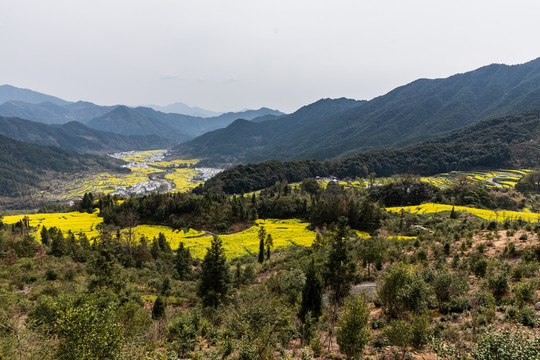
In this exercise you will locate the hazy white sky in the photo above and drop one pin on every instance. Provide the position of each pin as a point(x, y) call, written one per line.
point(227, 55)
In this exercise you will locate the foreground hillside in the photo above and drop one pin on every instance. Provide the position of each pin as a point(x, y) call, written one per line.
point(443, 284)
point(406, 115)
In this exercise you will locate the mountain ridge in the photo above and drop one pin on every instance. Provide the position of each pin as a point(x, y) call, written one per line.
point(406, 115)
point(77, 137)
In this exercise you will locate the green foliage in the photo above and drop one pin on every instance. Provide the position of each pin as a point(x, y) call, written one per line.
point(214, 280)
point(372, 251)
point(498, 284)
point(88, 332)
point(524, 292)
point(389, 291)
point(262, 238)
point(312, 294)
point(183, 262)
point(353, 334)
point(158, 310)
point(340, 267)
point(399, 334)
point(507, 345)
point(185, 329)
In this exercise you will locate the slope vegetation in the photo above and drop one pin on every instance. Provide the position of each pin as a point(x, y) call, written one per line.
point(26, 168)
point(511, 141)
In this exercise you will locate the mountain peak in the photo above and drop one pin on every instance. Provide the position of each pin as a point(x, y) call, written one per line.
point(12, 93)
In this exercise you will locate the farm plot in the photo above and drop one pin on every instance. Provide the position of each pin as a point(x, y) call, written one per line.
point(499, 216)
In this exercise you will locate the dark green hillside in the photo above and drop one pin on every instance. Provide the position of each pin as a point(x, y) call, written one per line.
point(24, 167)
point(232, 143)
point(407, 115)
point(77, 137)
point(511, 141)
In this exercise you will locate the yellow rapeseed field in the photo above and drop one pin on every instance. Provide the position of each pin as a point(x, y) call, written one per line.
point(75, 221)
point(500, 215)
point(284, 232)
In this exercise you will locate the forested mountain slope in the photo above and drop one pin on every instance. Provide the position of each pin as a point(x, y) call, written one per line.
point(407, 115)
point(25, 168)
point(511, 141)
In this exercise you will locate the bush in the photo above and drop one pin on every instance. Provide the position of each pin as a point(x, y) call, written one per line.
point(498, 284)
point(88, 332)
point(352, 334)
point(506, 345)
point(479, 267)
point(524, 292)
point(51, 274)
point(184, 331)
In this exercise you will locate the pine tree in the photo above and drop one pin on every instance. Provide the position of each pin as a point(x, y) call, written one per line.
point(262, 237)
point(58, 245)
point(453, 214)
point(340, 266)
point(183, 261)
point(269, 244)
point(214, 280)
point(312, 294)
point(45, 239)
point(158, 311)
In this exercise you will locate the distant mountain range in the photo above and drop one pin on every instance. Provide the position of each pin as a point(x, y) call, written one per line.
point(12, 93)
point(120, 119)
point(77, 137)
point(409, 114)
point(181, 108)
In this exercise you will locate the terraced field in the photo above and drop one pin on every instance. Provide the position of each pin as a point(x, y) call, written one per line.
point(497, 178)
point(500, 216)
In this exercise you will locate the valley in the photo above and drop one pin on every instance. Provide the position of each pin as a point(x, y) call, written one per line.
point(402, 227)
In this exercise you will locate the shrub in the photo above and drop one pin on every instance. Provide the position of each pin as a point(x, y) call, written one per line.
point(498, 284)
point(51, 274)
point(505, 345)
point(352, 334)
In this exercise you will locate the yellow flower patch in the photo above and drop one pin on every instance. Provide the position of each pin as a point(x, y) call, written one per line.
point(500, 216)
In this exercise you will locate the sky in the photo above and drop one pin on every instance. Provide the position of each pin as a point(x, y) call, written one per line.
point(228, 55)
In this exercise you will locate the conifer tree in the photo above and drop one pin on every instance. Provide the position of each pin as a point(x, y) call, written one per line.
point(158, 311)
point(312, 294)
point(262, 237)
point(183, 261)
point(269, 244)
point(340, 266)
point(214, 280)
point(58, 245)
point(45, 239)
